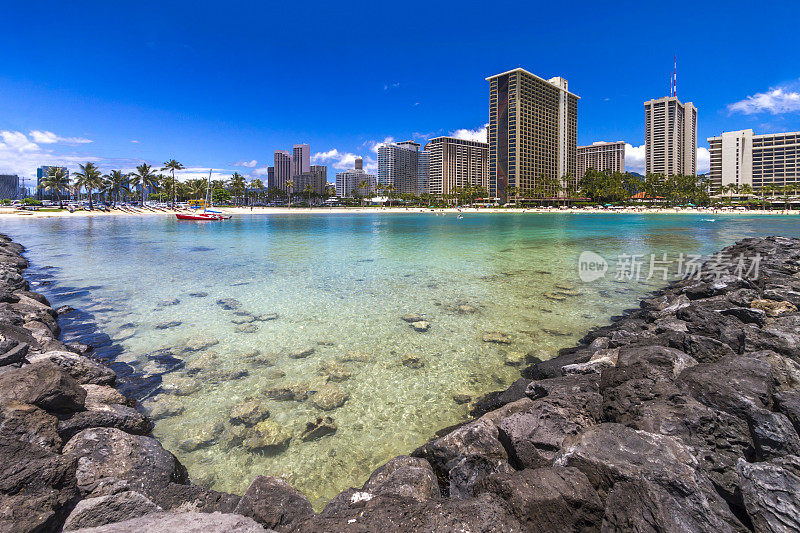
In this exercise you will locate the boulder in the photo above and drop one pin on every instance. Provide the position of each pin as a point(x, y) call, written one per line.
point(495, 400)
point(37, 486)
point(655, 474)
point(497, 337)
point(274, 504)
point(12, 351)
point(110, 454)
point(43, 384)
point(405, 477)
point(770, 493)
point(96, 415)
point(229, 304)
point(185, 522)
point(28, 423)
point(103, 394)
point(180, 497)
point(548, 500)
point(774, 308)
point(420, 326)
point(533, 437)
point(82, 368)
point(103, 510)
point(465, 456)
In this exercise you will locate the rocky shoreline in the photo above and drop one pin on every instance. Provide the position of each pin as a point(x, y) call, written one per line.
point(683, 415)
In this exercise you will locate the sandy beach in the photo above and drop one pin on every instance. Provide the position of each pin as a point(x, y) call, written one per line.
point(10, 212)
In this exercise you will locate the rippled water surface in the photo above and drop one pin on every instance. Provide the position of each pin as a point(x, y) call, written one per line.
point(339, 285)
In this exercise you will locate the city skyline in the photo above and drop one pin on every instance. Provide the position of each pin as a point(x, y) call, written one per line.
point(207, 105)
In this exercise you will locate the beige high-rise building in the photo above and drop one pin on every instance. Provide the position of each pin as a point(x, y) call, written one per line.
point(533, 134)
point(670, 137)
point(742, 158)
point(601, 156)
point(284, 169)
point(455, 163)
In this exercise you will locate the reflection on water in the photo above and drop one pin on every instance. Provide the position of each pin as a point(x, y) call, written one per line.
point(237, 335)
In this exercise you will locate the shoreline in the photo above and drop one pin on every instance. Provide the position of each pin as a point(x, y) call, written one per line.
point(702, 381)
point(284, 211)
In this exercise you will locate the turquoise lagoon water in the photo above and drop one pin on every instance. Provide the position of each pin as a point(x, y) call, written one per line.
point(339, 284)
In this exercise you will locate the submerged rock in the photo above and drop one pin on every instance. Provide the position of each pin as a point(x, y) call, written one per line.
point(199, 294)
point(319, 428)
point(246, 328)
point(300, 354)
point(229, 304)
point(421, 326)
point(412, 317)
point(335, 371)
point(248, 413)
point(196, 344)
point(413, 361)
point(244, 319)
point(267, 437)
point(266, 317)
point(289, 392)
point(330, 397)
point(497, 337)
point(169, 302)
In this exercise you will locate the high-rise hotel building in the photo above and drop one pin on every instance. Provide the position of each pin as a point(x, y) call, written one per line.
point(301, 158)
point(742, 158)
point(284, 168)
point(456, 163)
point(403, 166)
point(533, 132)
point(601, 156)
point(670, 137)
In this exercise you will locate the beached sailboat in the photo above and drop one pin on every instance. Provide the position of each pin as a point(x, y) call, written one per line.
point(207, 214)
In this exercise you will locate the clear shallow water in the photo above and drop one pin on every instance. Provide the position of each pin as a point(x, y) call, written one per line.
point(339, 284)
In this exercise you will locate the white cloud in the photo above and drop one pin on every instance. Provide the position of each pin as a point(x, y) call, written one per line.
point(703, 160)
point(48, 137)
point(634, 159)
point(135, 141)
point(374, 145)
point(479, 134)
point(21, 155)
point(344, 160)
point(263, 171)
point(393, 85)
point(776, 101)
point(249, 164)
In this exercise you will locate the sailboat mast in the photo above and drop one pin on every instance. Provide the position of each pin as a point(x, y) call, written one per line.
point(208, 191)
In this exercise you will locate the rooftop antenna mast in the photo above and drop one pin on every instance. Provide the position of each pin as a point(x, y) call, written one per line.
point(674, 79)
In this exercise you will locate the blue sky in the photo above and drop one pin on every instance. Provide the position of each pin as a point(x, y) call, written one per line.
point(223, 84)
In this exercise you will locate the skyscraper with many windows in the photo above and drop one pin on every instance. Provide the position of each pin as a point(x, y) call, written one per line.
point(601, 156)
point(670, 137)
point(456, 163)
point(284, 169)
point(533, 134)
point(742, 158)
point(403, 167)
point(301, 158)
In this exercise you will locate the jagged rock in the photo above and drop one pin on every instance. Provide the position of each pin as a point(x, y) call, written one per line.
point(102, 510)
point(248, 413)
point(773, 308)
point(28, 423)
point(101, 415)
point(43, 384)
point(533, 438)
point(595, 366)
point(267, 437)
point(37, 486)
point(330, 397)
point(110, 454)
point(548, 500)
point(652, 475)
point(364, 512)
point(788, 403)
point(12, 351)
point(80, 367)
point(274, 503)
point(770, 493)
point(465, 456)
point(318, 429)
point(180, 497)
point(188, 522)
point(404, 477)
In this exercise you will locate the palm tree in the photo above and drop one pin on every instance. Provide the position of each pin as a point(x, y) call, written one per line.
point(289, 187)
point(363, 184)
point(90, 178)
point(172, 165)
point(237, 184)
point(145, 178)
point(116, 182)
point(308, 190)
point(258, 185)
point(55, 180)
